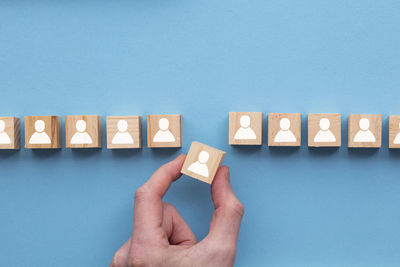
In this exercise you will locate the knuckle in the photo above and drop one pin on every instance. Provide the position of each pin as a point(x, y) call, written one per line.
point(168, 207)
point(117, 260)
point(136, 257)
point(236, 206)
point(225, 250)
point(140, 193)
point(136, 262)
point(166, 169)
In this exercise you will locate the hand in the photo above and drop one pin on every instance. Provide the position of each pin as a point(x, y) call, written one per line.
point(161, 237)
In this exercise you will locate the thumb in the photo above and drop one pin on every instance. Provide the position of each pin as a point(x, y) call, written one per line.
point(228, 213)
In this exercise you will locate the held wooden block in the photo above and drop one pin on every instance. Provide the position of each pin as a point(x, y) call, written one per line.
point(394, 131)
point(284, 129)
point(245, 128)
point(10, 137)
point(164, 131)
point(324, 130)
point(43, 132)
point(83, 131)
point(124, 132)
point(365, 130)
point(202, 162)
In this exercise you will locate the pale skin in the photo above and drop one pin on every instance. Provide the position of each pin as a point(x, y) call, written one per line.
point(161, 237)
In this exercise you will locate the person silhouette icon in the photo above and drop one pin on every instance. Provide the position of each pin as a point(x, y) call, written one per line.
point(163, 134)
point(81, 137)
point(200, 166)
point(397, 139)
point(245, 132)
point(39, 136)
point(122, 137)
point(4, 138)
point(284, 134)
point(324, 134)
point(364, 134)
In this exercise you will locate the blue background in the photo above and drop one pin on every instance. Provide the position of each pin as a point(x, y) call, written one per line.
point(202, 59)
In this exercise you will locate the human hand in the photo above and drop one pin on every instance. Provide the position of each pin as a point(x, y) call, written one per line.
point(161, 237)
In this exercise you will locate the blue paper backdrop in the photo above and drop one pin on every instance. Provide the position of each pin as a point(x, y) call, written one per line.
point(202, 59)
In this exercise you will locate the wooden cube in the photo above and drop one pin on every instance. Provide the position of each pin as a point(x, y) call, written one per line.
point(365, 130)
point(202, 162)
point(245, 128)
point(394, 131)
point(124, 132)
point(284, 129)
point(10, 137)
point(164, 131)
point(324, 130)
point(43, 132)
point(83, 131)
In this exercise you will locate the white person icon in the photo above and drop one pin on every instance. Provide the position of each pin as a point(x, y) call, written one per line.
point(200, 166)
point(284, 134)
point(364, 134)
point(245, 132)
point(81, 136)
point(163, 134)
point(324, 134)
point(40, 136)
point(122, 137)
point(4, 138)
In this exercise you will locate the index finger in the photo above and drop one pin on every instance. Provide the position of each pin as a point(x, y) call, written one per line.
point(148, 198)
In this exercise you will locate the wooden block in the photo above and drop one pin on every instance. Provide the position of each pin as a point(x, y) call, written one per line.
point(10, 136)
point(394, 131)
point(284, 129)
point(365, 130)
point(124, 132)
point(202, 162)
point(324, 130)
point(164, 130)
point(83, 131)
point(245, 128)
point(43, 132)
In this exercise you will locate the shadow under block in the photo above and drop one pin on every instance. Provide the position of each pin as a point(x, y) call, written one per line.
point(284, 129)
point(10, 136)
point(394, 131)
point(83, 131)
point(324, 130)
point(365, 131)
point(202, 162)
point(245, 128)
point(164, 130)
point(124, 132)
point(42, 132)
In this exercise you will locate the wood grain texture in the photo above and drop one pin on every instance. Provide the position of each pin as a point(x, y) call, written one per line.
point(174, 128)
point(52, 130)
point(12, 130)
point(274, 120)
point(394, 131)
point(134, 130)
point(315, 130)
point(93, 129)
point(235, 126)
point(375, 127)
point(216, 157)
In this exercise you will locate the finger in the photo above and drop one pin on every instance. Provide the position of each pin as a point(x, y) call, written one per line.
point(121, 256)
point(148, 198)
point(228, 213)
point(176, 229)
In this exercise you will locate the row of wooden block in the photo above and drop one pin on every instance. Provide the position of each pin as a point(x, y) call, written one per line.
point(85, 131)
point(245, 128)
